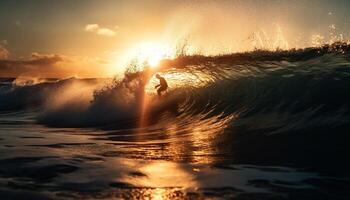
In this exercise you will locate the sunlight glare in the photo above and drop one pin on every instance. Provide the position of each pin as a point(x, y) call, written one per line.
point(152, 52)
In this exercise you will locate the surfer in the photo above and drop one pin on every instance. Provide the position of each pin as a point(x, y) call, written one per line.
point(163, 85)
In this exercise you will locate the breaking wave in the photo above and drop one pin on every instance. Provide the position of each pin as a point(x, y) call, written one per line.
point(275, 91)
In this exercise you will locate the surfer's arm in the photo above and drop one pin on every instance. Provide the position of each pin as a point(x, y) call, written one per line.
point(157, 86)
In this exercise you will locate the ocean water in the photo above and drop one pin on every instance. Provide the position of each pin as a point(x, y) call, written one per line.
point(227, 128)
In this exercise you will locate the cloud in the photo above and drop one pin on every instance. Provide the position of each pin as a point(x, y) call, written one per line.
point(51, 65)
point(3, 42)
point(35, 64)
point(106, 32)
point(44, 59)
point(91, 27)
point(35, 60)
point(95, 28)
point(54, 65)
point(4, 53)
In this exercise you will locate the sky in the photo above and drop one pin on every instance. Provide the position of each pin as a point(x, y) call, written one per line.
point(92, 38)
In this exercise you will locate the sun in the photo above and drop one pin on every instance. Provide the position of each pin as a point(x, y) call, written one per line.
point(151, 52)
point(141, 54)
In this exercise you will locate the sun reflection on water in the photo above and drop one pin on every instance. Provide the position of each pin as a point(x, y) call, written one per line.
point(162, 174)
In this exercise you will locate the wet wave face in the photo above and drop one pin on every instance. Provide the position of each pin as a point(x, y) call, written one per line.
point(233, 113)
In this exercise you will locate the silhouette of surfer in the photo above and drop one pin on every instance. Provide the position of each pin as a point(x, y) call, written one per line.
point(163, 85)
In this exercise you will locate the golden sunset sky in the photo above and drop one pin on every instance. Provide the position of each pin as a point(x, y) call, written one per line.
point(85, 38)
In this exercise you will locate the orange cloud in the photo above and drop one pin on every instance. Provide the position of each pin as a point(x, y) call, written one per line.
point(36, 64)
point(91, 27)
point(106, 32)
point(44, 59)
point(4, 53)
point(54, 65)
point(95, 28)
